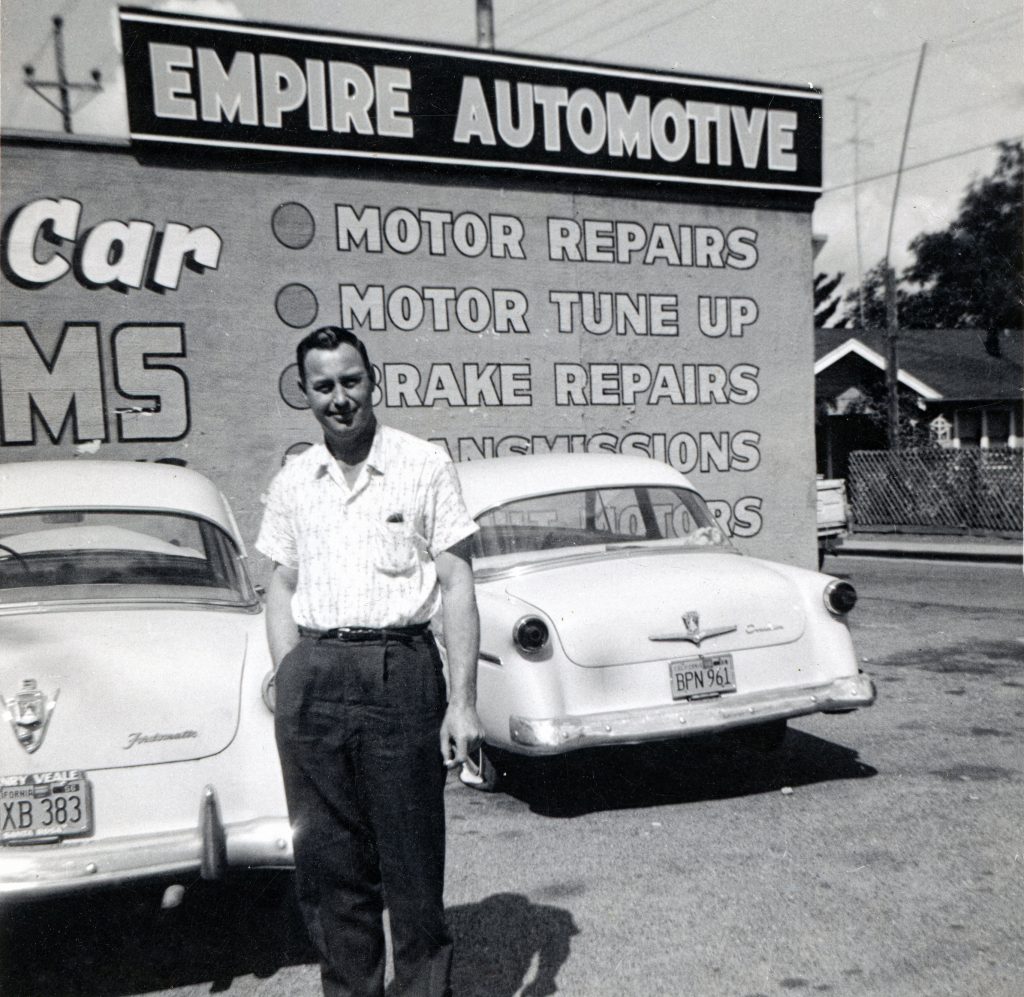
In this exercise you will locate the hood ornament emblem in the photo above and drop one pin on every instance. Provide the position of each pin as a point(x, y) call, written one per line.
point(29, 714)
point(693, 633)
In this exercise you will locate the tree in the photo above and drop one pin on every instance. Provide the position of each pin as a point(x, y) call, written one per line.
point(969, 275)
point(874, 404)
point(871, 297)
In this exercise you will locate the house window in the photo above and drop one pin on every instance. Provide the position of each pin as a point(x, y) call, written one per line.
point(997, 427)
point(942, 430)
point(968, 429)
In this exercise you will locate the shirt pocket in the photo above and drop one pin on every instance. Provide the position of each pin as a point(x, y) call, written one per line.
point(396, 548)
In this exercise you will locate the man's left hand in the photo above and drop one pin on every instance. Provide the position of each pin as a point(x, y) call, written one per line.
point(461, 735)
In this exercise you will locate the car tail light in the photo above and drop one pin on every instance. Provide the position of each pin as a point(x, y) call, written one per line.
point(531, 635)
point(840, 597)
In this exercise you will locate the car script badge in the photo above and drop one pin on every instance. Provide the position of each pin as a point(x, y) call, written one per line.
point(694, 634)
point(29, 714)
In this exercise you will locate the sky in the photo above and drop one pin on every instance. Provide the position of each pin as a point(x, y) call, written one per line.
point(862, 54)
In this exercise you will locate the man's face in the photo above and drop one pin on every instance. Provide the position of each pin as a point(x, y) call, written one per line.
point(339, 391)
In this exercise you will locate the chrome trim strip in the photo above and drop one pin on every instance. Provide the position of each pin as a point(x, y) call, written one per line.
point(554, 735)
point(603, 553)
point(76, 605)
point(31, 871)
point(697, 636)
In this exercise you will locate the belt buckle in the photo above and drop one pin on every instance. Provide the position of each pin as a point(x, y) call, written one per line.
point(355, 633)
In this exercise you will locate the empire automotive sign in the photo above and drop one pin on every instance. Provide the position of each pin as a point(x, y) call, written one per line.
point(225, 85)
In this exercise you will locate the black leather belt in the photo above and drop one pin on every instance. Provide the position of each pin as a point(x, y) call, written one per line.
point(366, 634)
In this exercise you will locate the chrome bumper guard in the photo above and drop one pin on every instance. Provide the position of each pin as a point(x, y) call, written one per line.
point(553, 735)
point(210, 849)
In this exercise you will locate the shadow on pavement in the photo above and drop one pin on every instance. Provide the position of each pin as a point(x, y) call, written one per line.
point(118, 941)
point(505, 941)
point(683, 771)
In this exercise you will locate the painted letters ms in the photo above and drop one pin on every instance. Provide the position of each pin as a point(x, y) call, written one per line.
point(64, 391)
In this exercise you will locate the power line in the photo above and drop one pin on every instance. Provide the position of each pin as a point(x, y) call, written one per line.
point(853, 79)
point(659, 24)
point(957, 39)
point(534, 6)
point(542, 30)
point(858, 76)
point(608, 27)
point(996, 31)
point(871, 59)
point(572, 16)
point(1006, 15)
point(921, 165)
point(957, 112)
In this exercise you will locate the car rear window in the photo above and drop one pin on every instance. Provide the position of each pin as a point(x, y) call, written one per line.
point(82, 554)
point(598, 516)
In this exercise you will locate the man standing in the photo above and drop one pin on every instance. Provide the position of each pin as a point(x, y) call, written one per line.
point(369, 537)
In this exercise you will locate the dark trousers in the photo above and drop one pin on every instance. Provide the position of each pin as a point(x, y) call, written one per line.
point(357, 728)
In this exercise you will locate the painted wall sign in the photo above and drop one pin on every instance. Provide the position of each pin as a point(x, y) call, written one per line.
point(152, 310)
point(226, 85)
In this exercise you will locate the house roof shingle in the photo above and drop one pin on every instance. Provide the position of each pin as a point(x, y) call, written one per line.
point(952, 361)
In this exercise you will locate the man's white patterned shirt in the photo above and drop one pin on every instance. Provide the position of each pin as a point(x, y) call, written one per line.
point(365, 554)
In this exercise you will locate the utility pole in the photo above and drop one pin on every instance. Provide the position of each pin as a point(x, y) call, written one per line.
point(891, 314)
point(857, 101)
point(62, 85)
point(485, 24)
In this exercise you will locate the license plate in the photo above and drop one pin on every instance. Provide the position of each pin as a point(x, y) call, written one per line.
point(707, 675)
point(44, 805)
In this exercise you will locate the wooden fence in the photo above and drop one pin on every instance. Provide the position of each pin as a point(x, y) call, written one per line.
point(936, 489)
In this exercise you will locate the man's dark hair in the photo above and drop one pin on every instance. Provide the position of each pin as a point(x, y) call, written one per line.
point(330, 337)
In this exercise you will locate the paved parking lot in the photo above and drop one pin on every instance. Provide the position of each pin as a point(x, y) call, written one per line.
point(879, 853)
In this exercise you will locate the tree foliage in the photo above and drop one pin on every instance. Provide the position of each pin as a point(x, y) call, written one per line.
point(865, 305)
point(968, 275)
point(873, 403)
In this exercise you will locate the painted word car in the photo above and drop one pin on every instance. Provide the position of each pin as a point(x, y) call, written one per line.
point(614, 609)
point(134, 738)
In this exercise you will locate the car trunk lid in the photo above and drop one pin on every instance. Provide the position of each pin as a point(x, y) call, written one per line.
point(122, 687)
point(606, 612)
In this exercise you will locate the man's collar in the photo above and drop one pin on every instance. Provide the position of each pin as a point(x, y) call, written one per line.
point(376, 459)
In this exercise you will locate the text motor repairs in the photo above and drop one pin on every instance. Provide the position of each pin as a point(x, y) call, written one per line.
point(369, 537)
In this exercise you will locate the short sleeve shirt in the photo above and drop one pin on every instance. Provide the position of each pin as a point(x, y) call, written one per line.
point(365, 554)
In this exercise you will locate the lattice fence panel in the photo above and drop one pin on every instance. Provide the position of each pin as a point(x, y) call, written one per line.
point(970, 489)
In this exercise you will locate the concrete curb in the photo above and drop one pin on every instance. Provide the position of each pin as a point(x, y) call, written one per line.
point(1003, 552)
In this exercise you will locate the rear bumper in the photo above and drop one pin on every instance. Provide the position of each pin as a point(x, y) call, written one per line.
point(211, 848)
point(554, 735)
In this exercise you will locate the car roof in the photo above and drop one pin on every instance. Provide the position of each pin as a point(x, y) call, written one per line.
point(490, 482)
point(112, 484)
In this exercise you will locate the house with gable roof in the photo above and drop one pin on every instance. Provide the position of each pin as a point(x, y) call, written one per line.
point(966, 384)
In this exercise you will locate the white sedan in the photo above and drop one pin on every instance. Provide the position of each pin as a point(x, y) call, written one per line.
point(615, 610)
point(135, 741)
